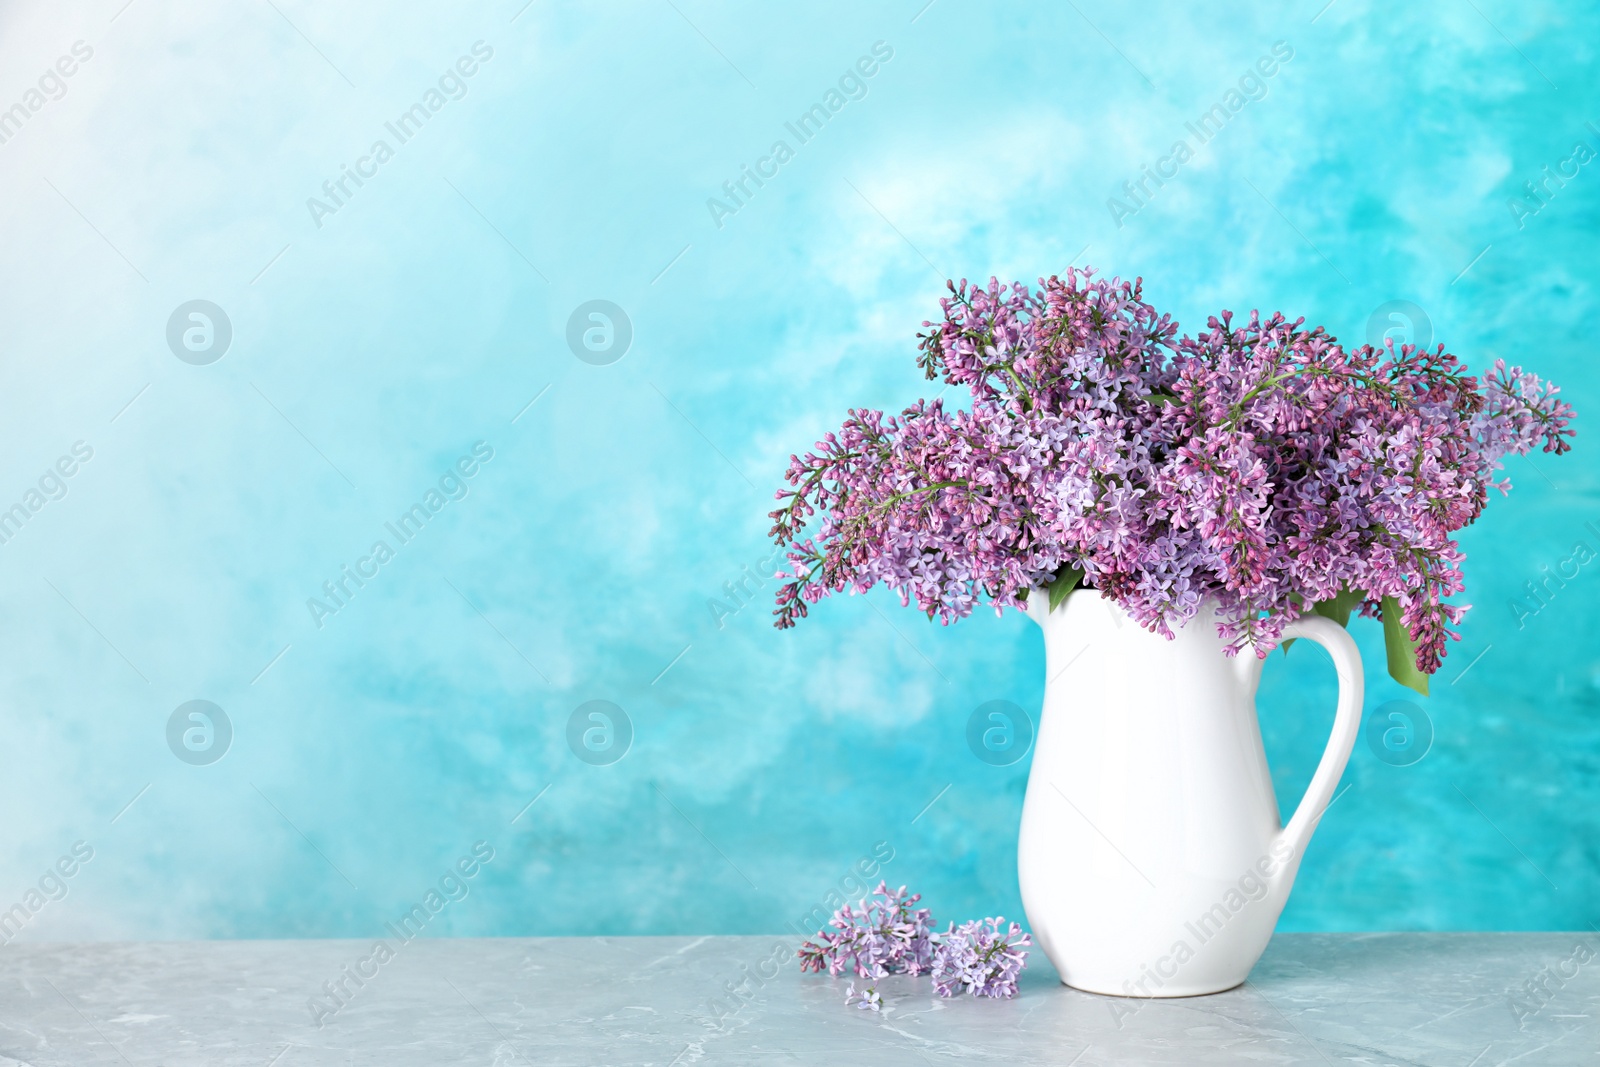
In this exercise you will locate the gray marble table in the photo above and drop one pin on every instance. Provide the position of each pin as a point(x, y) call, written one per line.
point(1450, 1000)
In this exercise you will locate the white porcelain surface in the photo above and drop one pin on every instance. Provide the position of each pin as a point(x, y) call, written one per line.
point(1151, 857)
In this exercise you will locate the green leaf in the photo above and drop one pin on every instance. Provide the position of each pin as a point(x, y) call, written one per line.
point(1401, 649)
point(1337, 608)
point(1065, 581)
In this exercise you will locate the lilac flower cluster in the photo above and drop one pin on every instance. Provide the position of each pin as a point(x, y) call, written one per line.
point(980, 958)
point(882, 935)
point(885, 934)
point(1259, 463)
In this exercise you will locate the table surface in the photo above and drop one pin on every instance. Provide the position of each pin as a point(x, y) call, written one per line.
point(1451, 1000)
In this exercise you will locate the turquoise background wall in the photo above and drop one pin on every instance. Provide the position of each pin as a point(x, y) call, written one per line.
point(603, 545)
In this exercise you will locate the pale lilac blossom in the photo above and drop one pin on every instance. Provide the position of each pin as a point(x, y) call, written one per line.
point(883, 934)
point(869, 999)
point(980, 958)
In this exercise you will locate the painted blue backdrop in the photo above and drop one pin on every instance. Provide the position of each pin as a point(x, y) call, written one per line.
point(397, 221)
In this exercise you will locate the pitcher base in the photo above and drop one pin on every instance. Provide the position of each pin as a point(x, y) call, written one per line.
point(1166, 992)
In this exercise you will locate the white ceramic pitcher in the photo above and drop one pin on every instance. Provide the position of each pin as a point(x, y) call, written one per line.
point(1151, 857)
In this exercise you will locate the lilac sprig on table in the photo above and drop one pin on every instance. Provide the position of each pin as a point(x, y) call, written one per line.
point(885, 934)
point(1259, 463)
point(980, 958)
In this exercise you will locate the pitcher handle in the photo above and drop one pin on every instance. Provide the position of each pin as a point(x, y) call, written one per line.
point(1346, 725)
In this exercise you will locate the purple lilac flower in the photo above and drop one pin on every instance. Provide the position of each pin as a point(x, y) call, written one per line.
point(1259, 463)
point(981, 959)
point(883, 935)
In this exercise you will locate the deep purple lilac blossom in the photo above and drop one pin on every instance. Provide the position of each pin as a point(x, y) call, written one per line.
point(1259, 463)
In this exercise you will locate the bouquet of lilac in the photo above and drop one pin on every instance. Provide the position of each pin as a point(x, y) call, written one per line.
point(883, 935)
point(1259, 463)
